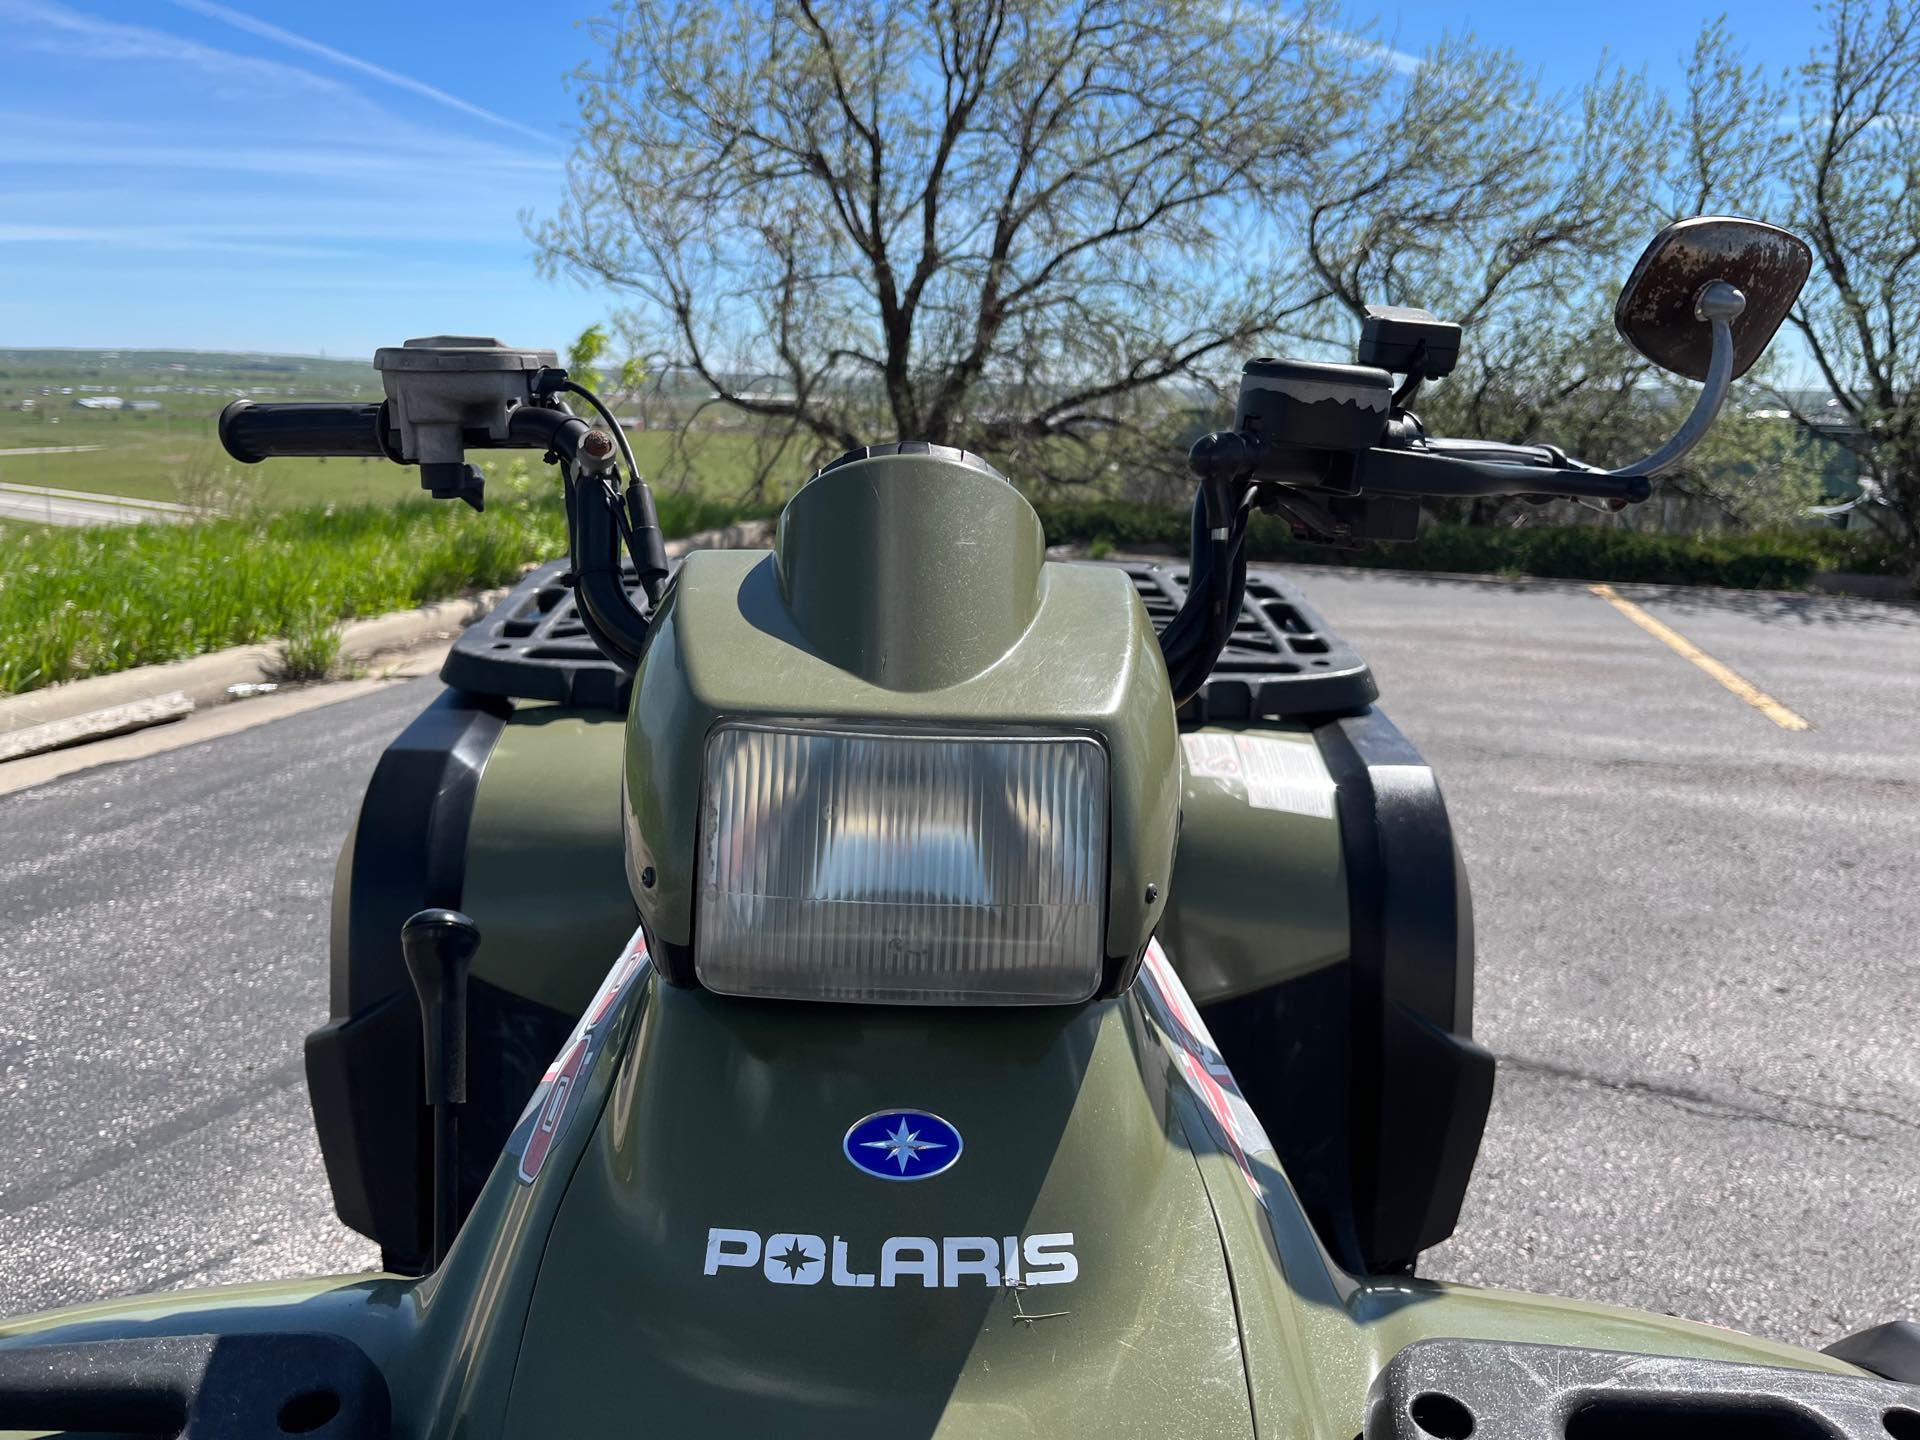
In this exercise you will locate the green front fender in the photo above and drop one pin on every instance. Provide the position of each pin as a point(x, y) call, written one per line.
point(580, 1302)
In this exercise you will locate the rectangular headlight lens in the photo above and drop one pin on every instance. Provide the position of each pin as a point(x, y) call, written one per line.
point(902, 869)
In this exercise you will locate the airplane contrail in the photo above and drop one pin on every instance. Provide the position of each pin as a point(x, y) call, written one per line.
point(279, 36)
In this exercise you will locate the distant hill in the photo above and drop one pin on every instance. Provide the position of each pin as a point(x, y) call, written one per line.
point(159, 373)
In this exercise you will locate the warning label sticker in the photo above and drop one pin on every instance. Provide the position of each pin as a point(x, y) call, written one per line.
point(1272, 774)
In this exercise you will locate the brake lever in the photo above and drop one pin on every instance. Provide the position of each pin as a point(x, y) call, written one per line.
point(1426, 475)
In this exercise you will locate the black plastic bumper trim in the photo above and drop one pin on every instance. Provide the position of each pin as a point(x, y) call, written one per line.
point(1420, 1087)
point(1892, 1350)
point(206, 1387)
point(364, 1069)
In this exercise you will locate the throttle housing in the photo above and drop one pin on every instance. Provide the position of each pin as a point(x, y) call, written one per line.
point(442, 387)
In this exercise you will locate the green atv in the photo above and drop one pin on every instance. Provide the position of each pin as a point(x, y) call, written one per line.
point(1040, 992)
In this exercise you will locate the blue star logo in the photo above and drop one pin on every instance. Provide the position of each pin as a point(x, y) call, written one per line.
point(902, 1144)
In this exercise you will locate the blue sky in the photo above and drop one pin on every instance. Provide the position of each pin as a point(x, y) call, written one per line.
point(266, 175)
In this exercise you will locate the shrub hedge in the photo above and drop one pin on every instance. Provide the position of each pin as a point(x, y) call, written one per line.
point(1756, 560)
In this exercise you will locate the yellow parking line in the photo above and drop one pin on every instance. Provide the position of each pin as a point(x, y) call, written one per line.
point(1745, 689)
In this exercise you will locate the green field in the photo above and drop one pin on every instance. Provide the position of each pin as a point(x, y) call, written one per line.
point(173, 453)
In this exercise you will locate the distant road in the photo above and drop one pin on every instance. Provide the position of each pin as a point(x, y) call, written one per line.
point(48, 506)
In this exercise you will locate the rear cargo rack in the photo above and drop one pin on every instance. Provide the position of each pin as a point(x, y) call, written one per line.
point(1282, 662)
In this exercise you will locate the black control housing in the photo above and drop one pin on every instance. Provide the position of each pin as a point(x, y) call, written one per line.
point(1409, 341)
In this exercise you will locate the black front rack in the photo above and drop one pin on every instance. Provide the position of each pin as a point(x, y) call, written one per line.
point(532, 646)
point(1282, 662)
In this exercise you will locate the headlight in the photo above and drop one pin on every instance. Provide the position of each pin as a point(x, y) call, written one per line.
point(891, 868)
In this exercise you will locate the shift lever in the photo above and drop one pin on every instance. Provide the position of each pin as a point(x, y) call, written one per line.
point(439, 947)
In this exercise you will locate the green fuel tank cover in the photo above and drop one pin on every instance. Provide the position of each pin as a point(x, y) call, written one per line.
point(912, 592)
point(911, 571)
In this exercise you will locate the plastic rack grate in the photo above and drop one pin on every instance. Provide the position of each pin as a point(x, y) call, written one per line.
point(1281, 664)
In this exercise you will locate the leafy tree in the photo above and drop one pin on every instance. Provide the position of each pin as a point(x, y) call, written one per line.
point(1844, 172)
point(585, 354)
point(1051, 229)
point(1475, 194)
point(1514, 213)
point(1006, 224)
point(1528, 212)
point(1856, 182)
point(593, 345)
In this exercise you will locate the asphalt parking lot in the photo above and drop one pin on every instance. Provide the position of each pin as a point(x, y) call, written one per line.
point(1699, 962)
point(1699, 938)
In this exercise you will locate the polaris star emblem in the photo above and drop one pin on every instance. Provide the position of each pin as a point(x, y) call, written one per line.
point(902, 1144)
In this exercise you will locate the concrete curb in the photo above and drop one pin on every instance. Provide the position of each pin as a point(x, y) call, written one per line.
point(204, 679)
point(94, 725)
point(1892, 589)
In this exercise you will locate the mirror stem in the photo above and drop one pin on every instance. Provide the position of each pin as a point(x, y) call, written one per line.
point(1719, 305)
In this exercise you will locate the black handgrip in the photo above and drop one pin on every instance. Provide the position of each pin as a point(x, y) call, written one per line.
point(252, 433)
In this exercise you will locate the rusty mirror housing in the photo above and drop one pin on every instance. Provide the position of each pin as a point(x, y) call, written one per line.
point(1658, 313)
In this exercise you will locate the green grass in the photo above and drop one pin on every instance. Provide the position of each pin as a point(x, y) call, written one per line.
point(81, 602)
point(175, 456)
point(147, 455)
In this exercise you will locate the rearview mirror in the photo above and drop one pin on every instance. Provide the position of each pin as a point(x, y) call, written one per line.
point(1658, 313)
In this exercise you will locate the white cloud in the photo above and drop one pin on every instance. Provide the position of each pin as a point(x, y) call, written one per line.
point(1345, 42)
point(168, 188)
point(123, 239)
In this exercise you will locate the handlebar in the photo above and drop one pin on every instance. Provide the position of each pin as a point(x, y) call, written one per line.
point(1342, 472)
point(599, 517)
point(1436, 474)
point(253, 432)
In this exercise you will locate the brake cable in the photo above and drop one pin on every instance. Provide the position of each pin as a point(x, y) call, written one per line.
point(633, 511)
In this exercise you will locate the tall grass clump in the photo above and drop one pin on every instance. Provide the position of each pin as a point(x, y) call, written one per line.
point(311, 648)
